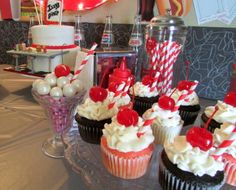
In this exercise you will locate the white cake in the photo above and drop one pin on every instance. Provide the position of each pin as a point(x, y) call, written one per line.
point(55, 38)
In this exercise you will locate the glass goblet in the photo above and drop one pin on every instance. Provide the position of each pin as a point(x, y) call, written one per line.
point(60, 114)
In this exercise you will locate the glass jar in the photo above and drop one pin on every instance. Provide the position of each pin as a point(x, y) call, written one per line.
point(164, 40)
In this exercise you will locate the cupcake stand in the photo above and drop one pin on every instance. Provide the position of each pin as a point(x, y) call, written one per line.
point(85, 160)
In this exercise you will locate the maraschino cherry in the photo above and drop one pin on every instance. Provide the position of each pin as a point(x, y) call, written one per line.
point(184, 85)
point(62, 70)
point(147, 80)
point(127, 117)
point(200, 137)
point(97, 94)
point(166, 102)
point(230, 98)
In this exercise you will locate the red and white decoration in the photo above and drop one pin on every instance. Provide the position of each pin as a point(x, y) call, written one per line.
point(10, 9)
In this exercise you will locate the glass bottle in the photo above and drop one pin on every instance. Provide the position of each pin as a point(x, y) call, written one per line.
point(136, 43)
point(79, 32)
point(107, 36)
point(29, 37)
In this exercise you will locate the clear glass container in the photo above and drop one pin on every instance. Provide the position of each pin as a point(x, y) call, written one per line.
point(136, 43)
point(29, 36)
point(107, 40)
point(79, 32)
point(164, 40)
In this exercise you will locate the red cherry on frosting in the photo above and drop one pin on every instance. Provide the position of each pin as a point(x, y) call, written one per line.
point(147, 80)
point(98, 94)
point(184, 85)
point(200, 137)
point(166, 102)
point(62, 70)
point(127, 117)
point(230, 98)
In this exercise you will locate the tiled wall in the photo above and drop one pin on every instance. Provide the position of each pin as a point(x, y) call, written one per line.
point(211, 51)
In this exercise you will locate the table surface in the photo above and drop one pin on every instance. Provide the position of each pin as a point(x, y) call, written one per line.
point(23, 128)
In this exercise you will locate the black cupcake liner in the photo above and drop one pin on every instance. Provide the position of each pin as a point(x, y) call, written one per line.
point(173, 178)
point(90, 130)
point(212, 125)
point(189, 113)
point(141, 104)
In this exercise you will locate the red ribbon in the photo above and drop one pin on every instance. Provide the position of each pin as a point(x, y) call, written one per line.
point(55, 47)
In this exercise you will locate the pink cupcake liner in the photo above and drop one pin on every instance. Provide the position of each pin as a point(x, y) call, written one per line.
point(126, 168)
point(230, 170)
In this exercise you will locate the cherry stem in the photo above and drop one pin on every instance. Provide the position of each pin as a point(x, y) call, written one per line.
point(187, 63)
point(172, 92)
point(106, 72)
point(211, 117)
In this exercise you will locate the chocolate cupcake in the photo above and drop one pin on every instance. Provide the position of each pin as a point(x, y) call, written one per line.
point(144, 96)
point(190, 107)
point(182, 167)
point(93, 114)
point(226, 112)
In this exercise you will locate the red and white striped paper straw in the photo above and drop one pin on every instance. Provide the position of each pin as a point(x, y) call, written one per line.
point(154, 84)
point(118, 92)
point(85, 61)
point(127, 85)
point(151, 118)
point(180, 100)
point(170, 54)
point(225, 144)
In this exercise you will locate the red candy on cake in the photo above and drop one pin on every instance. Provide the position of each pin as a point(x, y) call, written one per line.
point(127, 121)
point(166, 102)
point(97, 94)
point(230, 98)
point(184, 85)
point(200, 137)
point(62, 70)
point(147, 80)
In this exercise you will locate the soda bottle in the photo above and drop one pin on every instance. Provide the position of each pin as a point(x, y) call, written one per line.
point(107, 36)
point(29, 36)
point(79, 32)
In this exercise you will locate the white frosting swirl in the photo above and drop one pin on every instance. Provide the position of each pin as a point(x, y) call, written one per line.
point(120, 101)
point(225, 113)
point(164, 118)
point(96, 110)
point(191, 100)
point(192, 159)
point(125, 139)
point(223, 133)
point(142, 90)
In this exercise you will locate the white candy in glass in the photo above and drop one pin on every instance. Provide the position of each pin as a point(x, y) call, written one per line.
point(61, 81)
point(56, 92)
point(43, 88)
point(51, 79)
point(77, 84)
point(35, 83)
point(68, 90)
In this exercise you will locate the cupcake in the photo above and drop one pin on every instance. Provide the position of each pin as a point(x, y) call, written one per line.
point(167, 123)
point(226, 112)
point(190, 107)
point(186, 163)
point(93, 114)
point(127, 145)
point(229, 157)
point(144, 97)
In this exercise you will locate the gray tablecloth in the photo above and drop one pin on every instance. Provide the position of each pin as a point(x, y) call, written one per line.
point(23, 128)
